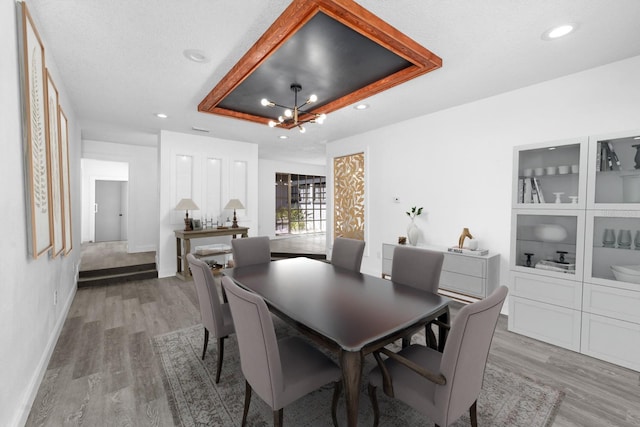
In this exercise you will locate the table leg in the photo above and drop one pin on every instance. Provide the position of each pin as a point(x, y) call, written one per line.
point(178, 255)
point(187, 248)
point(351, 362)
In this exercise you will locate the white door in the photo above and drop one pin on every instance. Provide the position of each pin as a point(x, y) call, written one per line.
point(109, 211)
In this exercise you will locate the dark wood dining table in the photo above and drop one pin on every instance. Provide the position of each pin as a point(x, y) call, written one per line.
point(350, 313)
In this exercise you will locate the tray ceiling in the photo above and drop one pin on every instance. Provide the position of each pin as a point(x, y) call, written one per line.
point(334, 49)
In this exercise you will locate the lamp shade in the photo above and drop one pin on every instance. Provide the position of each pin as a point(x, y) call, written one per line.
point(186, 204)
point(234, 204)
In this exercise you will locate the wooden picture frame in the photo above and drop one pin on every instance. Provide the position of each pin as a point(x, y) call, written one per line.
point(55, 176)
point(34, 131)
point(66, 179)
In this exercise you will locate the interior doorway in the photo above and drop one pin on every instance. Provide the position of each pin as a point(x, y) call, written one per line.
point(110, 210)
point(301, 206)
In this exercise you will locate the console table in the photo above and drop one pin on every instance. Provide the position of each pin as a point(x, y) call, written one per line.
point(183, 244)
point(473, 275)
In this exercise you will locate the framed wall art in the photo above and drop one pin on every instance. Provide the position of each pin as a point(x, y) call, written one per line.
point(34, 117)
point(66, 190)
point(55, 176)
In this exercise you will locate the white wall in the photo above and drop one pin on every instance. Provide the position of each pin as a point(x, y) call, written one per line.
point(174, 184)
point(30, 320)
point(457, 163)
point(143, 189)
point(267, 189)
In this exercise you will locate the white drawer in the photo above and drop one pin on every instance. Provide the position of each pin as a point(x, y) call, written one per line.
point(612, 302)
point(468, 285)
point(615, 341)
point(545, 322)
point(386, 266)
point(387, 251)
point(464, 264)
point(565, 293)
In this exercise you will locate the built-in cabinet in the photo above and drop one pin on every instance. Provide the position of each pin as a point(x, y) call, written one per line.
point(473, 275)
point(575, 245)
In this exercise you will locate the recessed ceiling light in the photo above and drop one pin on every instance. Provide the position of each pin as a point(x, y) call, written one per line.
point(283, 137)
point(361, 106)
point(559, 31)
point(196, 56)
point(161, 115)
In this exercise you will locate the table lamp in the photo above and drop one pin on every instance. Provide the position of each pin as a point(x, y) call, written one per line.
point(187, 204)
point(234, 204)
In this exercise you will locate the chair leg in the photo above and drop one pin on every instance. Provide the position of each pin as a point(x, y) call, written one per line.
point(220, 356)
point(277, 417)
point(247, 402)
point(406, 342)
point(374, 404)
point(430, 337)
point(473, 414)
point(206, 341)
point(337, 388)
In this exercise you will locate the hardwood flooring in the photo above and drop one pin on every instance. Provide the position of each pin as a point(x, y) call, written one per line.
point(103, 370)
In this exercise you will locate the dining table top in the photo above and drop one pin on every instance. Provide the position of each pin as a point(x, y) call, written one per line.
point(351, 309)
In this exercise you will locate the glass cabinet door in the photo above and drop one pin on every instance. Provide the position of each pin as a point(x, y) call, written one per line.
point(550, 175)
point(612, 248)
point(614, 178)
point(548, 242)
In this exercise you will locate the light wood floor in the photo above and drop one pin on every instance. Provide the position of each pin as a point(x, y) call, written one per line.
point(104, 372)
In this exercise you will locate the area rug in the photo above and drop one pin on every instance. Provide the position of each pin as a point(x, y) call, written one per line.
point(507, 398)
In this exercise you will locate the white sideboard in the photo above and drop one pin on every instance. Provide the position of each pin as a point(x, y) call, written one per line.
point(472, 275)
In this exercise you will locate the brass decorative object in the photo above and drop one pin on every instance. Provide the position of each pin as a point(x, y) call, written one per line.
point(464, 235)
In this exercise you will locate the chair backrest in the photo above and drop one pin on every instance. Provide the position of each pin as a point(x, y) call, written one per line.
point(465, 354)
point(257, 342)
point(347, 253)
point(250, 251)
point(208, 298)
point(417, 267)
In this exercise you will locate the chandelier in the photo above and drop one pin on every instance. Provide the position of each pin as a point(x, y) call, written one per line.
point(295, 116)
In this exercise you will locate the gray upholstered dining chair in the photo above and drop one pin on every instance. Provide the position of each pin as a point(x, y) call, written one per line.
point(419, 268)
point(442, 385)
point(250, 251)
point(216, 316)
point(279, 371)
point(347, 253)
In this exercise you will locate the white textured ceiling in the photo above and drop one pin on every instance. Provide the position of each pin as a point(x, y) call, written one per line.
point(122, 61)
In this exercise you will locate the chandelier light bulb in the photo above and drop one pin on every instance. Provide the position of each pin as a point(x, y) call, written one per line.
point(288, 113)
point(265, 102)
point(272, 124)
point(302, 129)
point(313, 98)
point(280, 119)
point(321, 118)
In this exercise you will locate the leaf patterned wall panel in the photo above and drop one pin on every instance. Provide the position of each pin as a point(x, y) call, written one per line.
point(348, 196)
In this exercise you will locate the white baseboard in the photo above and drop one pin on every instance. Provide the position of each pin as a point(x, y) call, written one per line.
point(41, 370)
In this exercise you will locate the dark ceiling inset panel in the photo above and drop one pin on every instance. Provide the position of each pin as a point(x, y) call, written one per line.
point(333, 48)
